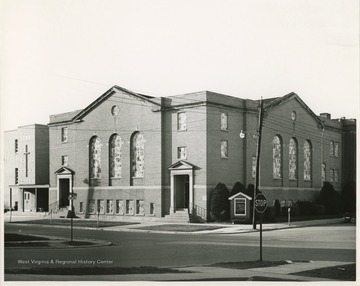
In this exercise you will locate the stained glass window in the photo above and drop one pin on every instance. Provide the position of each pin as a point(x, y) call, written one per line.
point(224, 121)
point(138, 145)
point(292, 159)
point(277, 151)
point(331, 148)
point(109, 206)
point(331, 175)
point(336, 149)
point(323, 172)
point(253, 169)
point(307, 160)
point(95, 158)
point(101, 206)
point(181, 124)
point(140, 207)
point(336, 175)
point(224, 149)
point(115, 156)
point(129, 207)
point(91, 206)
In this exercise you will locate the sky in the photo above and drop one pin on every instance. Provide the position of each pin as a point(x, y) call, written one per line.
point(59, 56)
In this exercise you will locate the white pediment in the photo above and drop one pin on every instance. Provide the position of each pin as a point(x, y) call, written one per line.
point(240, 194)
point(181, 165)
point(64, 171)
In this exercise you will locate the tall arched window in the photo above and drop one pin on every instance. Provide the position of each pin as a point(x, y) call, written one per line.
point(277, 157)
point(95, 158)
point(115, 156)
point(307, 160)
point(137, 155)
point(292, 159)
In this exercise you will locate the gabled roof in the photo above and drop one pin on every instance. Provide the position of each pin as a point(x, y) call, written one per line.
point(65, 170)
point(79, 114)
point(181, 165)
point(273, 103)
point(240, 194)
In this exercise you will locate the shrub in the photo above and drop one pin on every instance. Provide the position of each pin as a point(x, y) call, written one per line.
point(219, 205)
point(317, 209)
point(295, 209)
point(329, 198)
point(277, 207)
point(348, 195)
point(270, 214)
point(238, 187)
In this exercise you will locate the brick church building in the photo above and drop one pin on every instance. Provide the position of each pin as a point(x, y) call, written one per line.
point(128, 154)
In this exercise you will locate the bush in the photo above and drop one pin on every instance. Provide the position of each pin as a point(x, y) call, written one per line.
point(295, 209)
point(317, 209)
point(277, 207)
point(219, 205)
point(330, 199)
point(238, 187)
point(348, 196)
point(270, 214)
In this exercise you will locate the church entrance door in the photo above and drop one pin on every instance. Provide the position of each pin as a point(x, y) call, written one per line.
point(64, 192)
point(182, 191)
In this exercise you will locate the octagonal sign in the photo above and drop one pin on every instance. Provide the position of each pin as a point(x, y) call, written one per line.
point(260, 203)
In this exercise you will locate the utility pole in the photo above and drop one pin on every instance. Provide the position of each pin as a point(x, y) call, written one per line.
point(258, 148)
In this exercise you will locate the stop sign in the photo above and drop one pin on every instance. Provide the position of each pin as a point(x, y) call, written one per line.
point(260, 203)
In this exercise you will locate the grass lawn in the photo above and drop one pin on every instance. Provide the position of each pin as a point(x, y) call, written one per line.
point(179, 227)
point(94, 271)
point(343, 272)
point(76, 222)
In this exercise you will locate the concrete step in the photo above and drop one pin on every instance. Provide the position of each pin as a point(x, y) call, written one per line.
point(180, 215)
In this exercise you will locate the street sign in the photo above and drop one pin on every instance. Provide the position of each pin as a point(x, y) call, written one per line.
point(260, 203)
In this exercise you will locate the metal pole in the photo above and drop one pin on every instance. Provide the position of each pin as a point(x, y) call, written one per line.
point(71, 228)
point(97, 223)
point(289, 210)
point(261, 237)
point(258, 147)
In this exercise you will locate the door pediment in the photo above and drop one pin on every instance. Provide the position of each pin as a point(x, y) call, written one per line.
point(64, 171)
point(181, 165)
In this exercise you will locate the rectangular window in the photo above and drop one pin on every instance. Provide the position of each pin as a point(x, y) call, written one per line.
point(101, 206)
point(65, 160)
point(323, 172)
point(331, 148)
point(336, 149)
point(129, 207)
point(181, 121)
point(152, 208)
point(283, 203)
point(81, 207)
point(253, 167)
point(109, 206)
point(336, 175)
point(224, 121)
point(91, 207)
point(240, 206)
point(16, 146)
point(16, 176)
point(224, 149)
point(64, 134)
point(331, 175)
point(120, 207)
point(140, 207)
point(181, 152)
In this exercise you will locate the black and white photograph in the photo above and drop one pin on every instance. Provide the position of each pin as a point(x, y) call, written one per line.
point(178, 141)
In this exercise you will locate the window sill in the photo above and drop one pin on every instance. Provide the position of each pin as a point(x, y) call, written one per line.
point(182, 130)
point(226, 130)
point(224, 157)
point(277, 179)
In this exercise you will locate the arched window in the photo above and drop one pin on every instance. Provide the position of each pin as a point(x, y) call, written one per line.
point(115, 156)
point(137, 155)
point(95, 158)
point(307, 160)
point(277, 157)
point(292, 159)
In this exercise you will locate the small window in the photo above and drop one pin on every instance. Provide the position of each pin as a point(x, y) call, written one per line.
point(101, 206)
point(224, 121)
point(109, 207)
point(182, 152)
point(323, 172)
point(16, 145)
point(91, 207)
point(65, 160)
point(332, 148)
point(253, 167)
point(16, 176)
point(64, 134)
point(336, 149)
point(129, 207)
point(240, 206)
point(81, 207)
point(224, 149)
point(331, 175)
point(181, 121)
point(152, 208)
point(120, 207)
point(336, 175)
point(140, 207)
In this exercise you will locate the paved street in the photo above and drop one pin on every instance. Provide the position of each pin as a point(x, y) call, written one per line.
point(318, 243)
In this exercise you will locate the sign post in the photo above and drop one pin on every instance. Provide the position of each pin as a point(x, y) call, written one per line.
point(260, 206)
point(72, 197)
